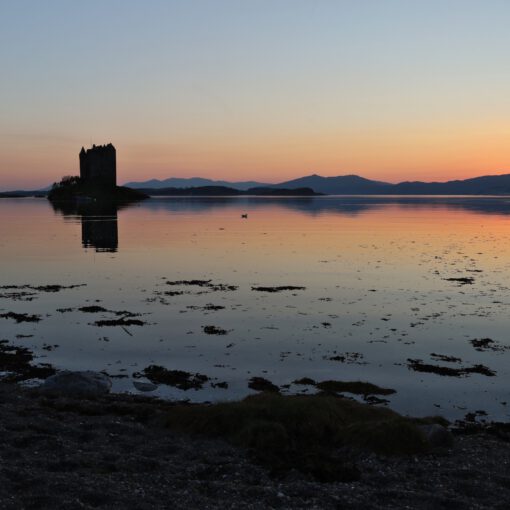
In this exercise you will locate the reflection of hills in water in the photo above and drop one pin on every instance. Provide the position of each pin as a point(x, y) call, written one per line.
point(344, 205)
point(99, 227)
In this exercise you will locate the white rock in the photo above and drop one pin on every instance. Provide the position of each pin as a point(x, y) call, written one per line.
point(437, 435)
point(86, 383)
point(145, 386)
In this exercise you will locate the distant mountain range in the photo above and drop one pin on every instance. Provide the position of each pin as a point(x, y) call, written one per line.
point(340, 185)
point(224, 191)
point(194, 182)
point(353, 185)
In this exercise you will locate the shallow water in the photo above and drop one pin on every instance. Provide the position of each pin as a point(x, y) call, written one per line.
point(374, 272)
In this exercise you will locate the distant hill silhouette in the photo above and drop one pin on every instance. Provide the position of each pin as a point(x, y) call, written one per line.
point(486, 185)
point(226, 191)
point(341, 185)
point(355, 185)
point(193, 182)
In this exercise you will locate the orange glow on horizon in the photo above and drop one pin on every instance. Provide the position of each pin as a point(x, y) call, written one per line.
point(426, 153)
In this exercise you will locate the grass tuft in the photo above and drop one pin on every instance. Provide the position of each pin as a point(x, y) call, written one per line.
point(303, 432)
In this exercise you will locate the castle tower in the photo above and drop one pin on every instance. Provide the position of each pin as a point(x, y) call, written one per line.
point(98, 166)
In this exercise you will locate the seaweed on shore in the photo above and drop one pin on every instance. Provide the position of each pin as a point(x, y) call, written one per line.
point(445, 358)
point(262, 384)
point(19, 296)
point(355, 387)
point(216, 287)
point(350, 358)
point(198, 283)
point(464, 280)
point(214, 330)
point(278, 288)
point(92, 309)
point(120, 322)
point(487, 344)
point(305, 381)
point(209, 307)
point(17, 361)
point(20, 317)
point(419, 366)
point(43, 288)
point(177, 378)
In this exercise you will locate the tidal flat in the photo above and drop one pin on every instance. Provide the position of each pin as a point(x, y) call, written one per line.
point(407, 295)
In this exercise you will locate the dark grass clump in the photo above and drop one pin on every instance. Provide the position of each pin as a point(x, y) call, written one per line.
point(177, 378)
point(306, 433)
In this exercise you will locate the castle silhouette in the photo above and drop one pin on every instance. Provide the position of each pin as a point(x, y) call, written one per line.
point(98, 166)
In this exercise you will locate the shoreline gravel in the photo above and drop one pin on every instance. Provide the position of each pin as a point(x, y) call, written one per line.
point(114, 452)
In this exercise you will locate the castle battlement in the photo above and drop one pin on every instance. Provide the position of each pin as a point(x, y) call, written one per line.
point(98, 166)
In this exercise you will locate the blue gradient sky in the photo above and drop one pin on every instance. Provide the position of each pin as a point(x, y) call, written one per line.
point(255, 89)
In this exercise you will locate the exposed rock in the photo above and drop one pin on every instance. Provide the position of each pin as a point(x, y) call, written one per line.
point(86, 383)
point(145, 386)
point(437, 435)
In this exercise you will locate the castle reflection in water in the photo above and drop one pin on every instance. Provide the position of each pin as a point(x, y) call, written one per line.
point(99, 224)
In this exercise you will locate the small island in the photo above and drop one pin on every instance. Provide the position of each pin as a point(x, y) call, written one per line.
point(97, 181)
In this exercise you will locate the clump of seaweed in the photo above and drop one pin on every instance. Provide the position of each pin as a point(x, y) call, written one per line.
point(350, 358)
point(197, 283)
point(214, 330)
point(216, 287)
point(262, 384)
point(20, 317)
point(305, 381)
point(445, 358)
point(120, 322)
point(19, 296)
point(209, 307)
point(354, 387)
point(92, 309)
point(278, 288)
point(43, 288)
point(419, 366)
point(487, 344)
point(465, 280)
point(17, 361)
point(177, 378)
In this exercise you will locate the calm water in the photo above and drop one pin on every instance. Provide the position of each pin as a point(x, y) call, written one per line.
point(374, 270)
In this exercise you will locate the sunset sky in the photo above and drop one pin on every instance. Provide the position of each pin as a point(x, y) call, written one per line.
point(263, 90)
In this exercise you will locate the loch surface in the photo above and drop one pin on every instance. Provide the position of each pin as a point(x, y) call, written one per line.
point(388, 290)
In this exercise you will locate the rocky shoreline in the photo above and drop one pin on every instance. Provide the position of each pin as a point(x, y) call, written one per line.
point(116, 451)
